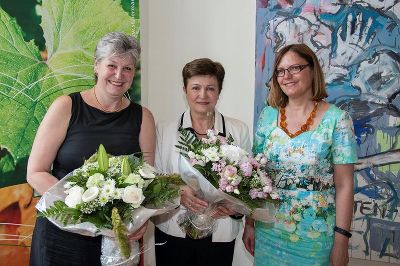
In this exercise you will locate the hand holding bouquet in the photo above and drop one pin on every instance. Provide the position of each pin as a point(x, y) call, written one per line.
point(106, 197)
point(227, 175)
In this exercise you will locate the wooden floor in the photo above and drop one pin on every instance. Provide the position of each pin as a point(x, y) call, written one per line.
point(358, 262)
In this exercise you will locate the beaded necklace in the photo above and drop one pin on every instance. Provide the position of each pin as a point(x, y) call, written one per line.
point(101, 106)
point(303, 128)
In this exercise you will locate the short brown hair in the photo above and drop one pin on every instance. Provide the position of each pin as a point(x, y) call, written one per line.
point(203, 66)
point(276, 97)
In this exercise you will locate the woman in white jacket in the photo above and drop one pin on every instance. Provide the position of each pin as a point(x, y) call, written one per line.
point(202, 79)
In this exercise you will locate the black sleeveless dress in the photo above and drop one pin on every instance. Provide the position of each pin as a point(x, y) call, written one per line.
point(88, 128)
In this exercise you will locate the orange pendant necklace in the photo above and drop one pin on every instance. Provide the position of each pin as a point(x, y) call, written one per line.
point(303, 128)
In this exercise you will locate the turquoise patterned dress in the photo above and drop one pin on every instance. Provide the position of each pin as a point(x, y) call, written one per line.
point(302, 169)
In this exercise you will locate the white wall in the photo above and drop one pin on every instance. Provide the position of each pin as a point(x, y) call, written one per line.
point(175, 32)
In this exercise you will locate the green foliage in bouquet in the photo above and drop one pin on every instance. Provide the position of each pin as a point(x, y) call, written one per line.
point(187, 142)
point(157, 189)
point(61, 212)
point(159, 192)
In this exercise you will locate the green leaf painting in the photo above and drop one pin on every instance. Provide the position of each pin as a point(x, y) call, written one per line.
point(29, 83)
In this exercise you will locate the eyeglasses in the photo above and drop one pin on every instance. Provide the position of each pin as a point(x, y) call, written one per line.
point(280, 72)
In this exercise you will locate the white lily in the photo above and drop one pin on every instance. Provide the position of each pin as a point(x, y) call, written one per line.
point(90, 194)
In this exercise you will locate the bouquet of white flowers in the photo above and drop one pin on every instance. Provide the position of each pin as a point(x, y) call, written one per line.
point(106, 196)
point(223, 174)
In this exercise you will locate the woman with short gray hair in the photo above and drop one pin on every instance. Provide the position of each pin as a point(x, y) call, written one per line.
point(72, 129)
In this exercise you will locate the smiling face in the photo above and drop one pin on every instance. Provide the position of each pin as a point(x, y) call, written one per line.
point(115, 74)
point(202, 94)
point(297, 85)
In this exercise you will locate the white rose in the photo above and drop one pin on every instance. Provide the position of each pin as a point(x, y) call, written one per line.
point(147, 171)
point(232, 153)
point(95, 180)
point(90, 194)
point(74, 196)
point(133, 195)
point(75, 189)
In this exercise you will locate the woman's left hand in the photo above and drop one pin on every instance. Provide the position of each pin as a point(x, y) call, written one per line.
point(222, 211)
point(138, 234)
point(339, 254)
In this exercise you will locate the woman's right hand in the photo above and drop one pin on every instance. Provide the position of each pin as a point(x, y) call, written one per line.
point(49, 137)
point(249, 236)
point(138, 234)
point(191, 201)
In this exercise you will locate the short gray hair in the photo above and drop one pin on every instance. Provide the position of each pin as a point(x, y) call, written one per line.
point(117, 43)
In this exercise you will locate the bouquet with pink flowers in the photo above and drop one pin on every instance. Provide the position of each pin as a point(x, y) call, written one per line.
point(226, 174)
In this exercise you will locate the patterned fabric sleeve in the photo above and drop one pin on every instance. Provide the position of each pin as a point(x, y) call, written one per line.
point(263, 128)
point(344, 148)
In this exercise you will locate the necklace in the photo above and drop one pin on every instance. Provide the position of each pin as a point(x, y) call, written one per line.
point(101, 106)
point(210, 122)
point(200, 134)
point(303, 128)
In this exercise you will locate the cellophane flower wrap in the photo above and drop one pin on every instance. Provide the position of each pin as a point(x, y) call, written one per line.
point(223, 174)
point(111, 196)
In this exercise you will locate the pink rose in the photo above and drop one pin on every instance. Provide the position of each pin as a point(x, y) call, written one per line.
point(229, 171)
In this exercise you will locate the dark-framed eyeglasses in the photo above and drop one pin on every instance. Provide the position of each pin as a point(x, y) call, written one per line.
point(294, 69)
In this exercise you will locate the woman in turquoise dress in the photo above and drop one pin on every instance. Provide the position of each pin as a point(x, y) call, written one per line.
point(311, 151)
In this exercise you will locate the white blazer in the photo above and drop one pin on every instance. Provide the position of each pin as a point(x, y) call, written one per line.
point(166, 160)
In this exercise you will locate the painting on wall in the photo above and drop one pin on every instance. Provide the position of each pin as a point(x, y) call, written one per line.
point(47, 50)
point(358, 45)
